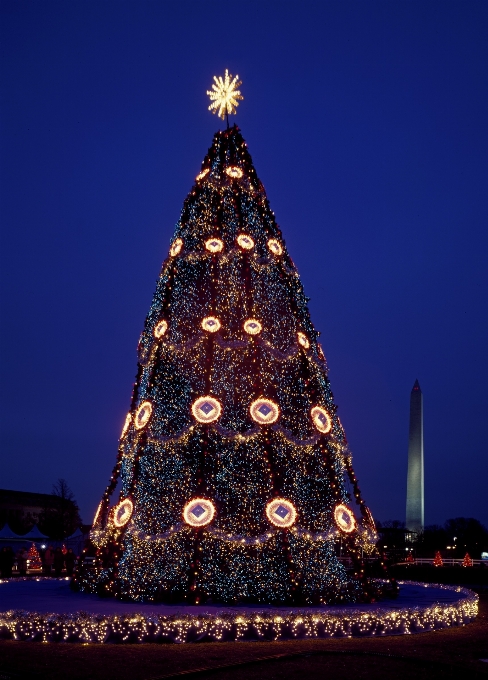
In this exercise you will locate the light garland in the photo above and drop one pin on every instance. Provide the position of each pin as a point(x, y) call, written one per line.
point(123, 512)
point(160, 329)
point(344, 518)
point(214, 245)
point(176, 247)
point(252, 327)
point(143, 414)
point(97, 514)
point(264, 411)
point(275, 246)
point(245, 242)
point(234, 625)
point(234, 172)
point(206, 409)
point(211, 324)
point(199, 512)
point(202, 174)
point(127, 422)
point(281, 513)
point(321, 419)
point(303, 340)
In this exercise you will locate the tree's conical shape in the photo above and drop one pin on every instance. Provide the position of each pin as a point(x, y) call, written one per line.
point(234, 479)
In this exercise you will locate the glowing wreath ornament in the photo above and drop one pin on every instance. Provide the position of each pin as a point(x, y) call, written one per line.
point(160, 328)
point(344, 518)
point(198, 512)
point(123, 512)
point(143, 414)
point(281, 513)
point(206, 409)
point(211, 324)
point(202, 174)
point(303, 340)
point(321, 419)
point(264, 411)
point(245, 242)
point(176, 247)
point(275, 246)
point(224, 95)
point(234, 172)
point(214, 245)
point(128, 418)
point(252, 326)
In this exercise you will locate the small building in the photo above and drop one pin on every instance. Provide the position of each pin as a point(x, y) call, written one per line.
point(21, 510)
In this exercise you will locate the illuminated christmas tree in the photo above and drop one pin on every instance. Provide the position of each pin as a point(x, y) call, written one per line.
point(235, 483)
point(438, 560)
point(467, 561)
point(34, 557)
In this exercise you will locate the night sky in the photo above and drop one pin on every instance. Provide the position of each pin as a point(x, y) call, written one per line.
point(367, 124)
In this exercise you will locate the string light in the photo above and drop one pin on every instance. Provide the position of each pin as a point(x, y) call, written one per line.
point(214, 245)
point(176, 247)
point(123, 512)
point(344, 518)
point(206, 409)
point(252, 326)
point(264, 411)
point(303, 340)
point(275, 246)
point(281, 513)
point(234, 172)
point(202, 174)
point(160, 328)
point(143, 414)
point(321, 419)
point(245, 242)
point(199, 512)
point(127, 422)
point(211, 324)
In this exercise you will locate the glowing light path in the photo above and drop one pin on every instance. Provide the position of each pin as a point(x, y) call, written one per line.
point(47, 610)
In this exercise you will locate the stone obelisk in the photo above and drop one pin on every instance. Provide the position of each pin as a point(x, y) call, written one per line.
point(415, 475)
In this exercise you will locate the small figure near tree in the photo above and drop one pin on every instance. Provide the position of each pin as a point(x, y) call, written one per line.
point(467, 562)
point(33, 557)
point(438, 559)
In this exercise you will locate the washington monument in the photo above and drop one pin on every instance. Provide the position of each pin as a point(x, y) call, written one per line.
point(415, 475)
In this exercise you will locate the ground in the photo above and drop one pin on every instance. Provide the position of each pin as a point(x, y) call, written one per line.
point(452, 653)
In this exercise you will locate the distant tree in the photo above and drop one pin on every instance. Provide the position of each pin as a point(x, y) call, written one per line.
point(432, 539)
point(62, 517)
point(438, 560)
point(467, 534)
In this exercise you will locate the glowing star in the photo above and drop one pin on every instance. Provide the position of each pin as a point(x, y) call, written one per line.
point(143, 414)
point(198, 512)
point(202, 174)
point(303, 340)
point(224, 95)
point(275, 246)
point(128, 418)
point(234, 172)
point(211, 324)
point(321, 419)
point(206, 409)
point(176, 247)
point(281, 513)
point(344, 518)
point(252, 326)
point(214, 245)
point(160, 328)
point(123, 512)
point(264, 411)
point(245, 242)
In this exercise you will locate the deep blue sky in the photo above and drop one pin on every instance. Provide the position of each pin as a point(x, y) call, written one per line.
point(367, 123)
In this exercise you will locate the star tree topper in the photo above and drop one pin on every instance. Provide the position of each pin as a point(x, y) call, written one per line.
point(224, 95)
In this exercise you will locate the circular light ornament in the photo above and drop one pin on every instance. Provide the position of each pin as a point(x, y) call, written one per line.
point(176, 247)
point(252, 326)
point(202, 174)
point(128, 418)
point(199, 512)
point(245, 242)
point(211, 324)
point(275, 246)
point(160, 328)
point(214, 245)
point(303, 340)
point(234, 172)
point(344, 518)
point(264, 411)
point(143, 414)
point(206, 409)
point(321, 419)
point(281, 513)
point(123, 512)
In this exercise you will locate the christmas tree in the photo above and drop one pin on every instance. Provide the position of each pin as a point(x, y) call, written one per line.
point(235, 480)
point(34, 558)
point(438, 560)
point(467, 561)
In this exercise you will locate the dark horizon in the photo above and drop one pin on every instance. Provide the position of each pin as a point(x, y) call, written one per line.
point(379, 189)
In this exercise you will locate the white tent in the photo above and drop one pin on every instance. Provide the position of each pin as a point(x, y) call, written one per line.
point(34, 535)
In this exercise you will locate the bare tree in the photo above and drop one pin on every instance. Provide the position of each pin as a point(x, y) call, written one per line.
point(61, 517)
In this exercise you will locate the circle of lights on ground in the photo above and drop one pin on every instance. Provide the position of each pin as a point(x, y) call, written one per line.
point(264, 411)
point(206, 409)
point(123, 512)
point(344, 518)
point(281, 513)
point(143, 414)
point(199, 512)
